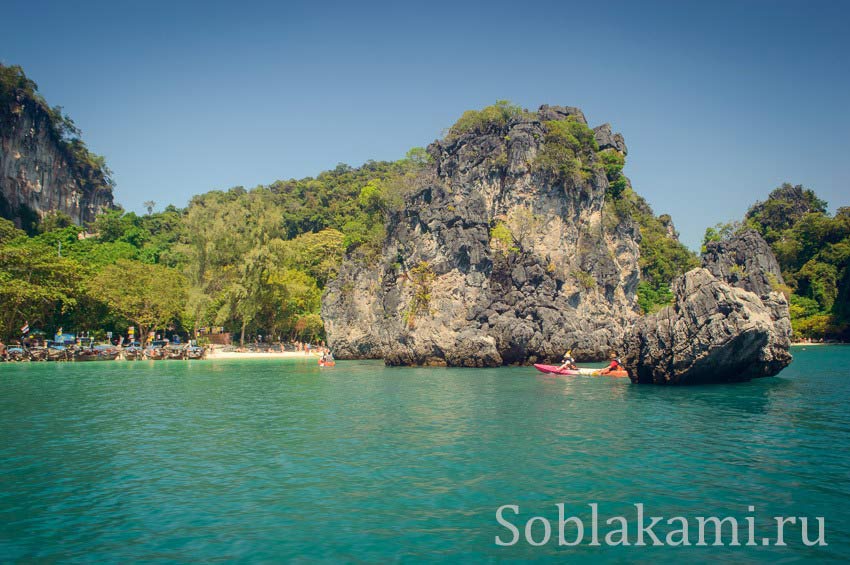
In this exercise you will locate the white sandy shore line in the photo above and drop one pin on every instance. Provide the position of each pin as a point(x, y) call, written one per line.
point(260, 355)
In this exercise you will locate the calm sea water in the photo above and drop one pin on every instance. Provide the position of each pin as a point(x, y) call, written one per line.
point(264, 461)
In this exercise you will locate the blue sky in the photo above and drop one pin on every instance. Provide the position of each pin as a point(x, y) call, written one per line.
point(719, 102)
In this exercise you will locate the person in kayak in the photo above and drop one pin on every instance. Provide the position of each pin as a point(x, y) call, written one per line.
point(568, 362)
point(613, 367)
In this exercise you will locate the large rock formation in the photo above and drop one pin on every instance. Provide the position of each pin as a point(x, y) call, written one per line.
point(39, 172)
point(496, 257)
point(745, 261)
point(727, 322)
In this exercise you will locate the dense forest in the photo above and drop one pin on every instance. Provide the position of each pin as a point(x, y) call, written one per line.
point(813, 250)
point(255, 262)
point(251, 261)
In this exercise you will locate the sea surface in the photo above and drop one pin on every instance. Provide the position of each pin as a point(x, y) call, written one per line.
point(279, 460)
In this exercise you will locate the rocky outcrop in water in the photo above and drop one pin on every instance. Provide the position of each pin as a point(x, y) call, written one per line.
point(496, 257)
point(39, 172)
point(726, 323)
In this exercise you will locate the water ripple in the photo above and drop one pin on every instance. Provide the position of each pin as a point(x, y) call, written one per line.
point(264, 461)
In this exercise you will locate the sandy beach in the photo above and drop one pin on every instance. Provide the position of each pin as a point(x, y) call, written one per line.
point(217, 354)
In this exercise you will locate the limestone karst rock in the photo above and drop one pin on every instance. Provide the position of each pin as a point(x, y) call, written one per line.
point(450, 287)
point(727, 323)
point(39, 172)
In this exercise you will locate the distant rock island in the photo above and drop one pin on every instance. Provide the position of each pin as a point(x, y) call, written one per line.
point(507, 250)
point(515, 245)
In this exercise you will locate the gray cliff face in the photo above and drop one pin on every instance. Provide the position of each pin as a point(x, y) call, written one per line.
point(449, 291)
point(606, 139)
point(745, 261)
point(726, 322)
point(36, 172)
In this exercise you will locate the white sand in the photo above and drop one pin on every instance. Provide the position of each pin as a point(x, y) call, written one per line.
point(214, 354)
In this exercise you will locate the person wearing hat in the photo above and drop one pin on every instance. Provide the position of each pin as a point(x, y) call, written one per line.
point(614, 366)
point(568, 362)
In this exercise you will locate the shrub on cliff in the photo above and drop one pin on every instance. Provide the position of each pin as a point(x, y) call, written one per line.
point(662, 257)
point(479, 121)
point(502, 240)
point(567, 152)
point(613, 162)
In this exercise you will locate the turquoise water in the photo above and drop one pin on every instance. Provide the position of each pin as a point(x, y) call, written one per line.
point(264, 461)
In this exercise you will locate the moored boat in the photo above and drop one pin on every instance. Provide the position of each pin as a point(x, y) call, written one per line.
point(17, 354)
point(97, 353)
point(195, 352)
point(174, 352)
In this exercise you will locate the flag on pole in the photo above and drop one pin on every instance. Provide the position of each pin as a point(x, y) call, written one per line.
point(26, 329)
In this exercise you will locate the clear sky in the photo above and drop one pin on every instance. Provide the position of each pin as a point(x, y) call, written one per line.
point(719, 102)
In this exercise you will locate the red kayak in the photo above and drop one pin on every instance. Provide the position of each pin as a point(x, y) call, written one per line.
point(555, 370)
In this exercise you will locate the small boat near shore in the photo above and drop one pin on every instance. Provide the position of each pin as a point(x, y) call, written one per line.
point(97, 353)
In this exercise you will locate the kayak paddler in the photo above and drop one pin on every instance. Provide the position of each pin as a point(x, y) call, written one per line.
point(614, 366)
point(568, 362)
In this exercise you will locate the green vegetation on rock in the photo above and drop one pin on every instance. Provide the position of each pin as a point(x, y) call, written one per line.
point(479, 121)
point(813, 251)
point(662, 256)
point(568, 149)
point(502, 240)
point(613, 162)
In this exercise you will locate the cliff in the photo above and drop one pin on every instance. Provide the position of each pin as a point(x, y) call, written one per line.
point(44, 166)
point(502, 251)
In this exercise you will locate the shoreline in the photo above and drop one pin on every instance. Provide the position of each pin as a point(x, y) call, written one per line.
point(213, 355)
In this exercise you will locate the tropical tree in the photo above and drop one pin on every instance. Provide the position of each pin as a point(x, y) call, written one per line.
point(36, 284)
point(149, 296)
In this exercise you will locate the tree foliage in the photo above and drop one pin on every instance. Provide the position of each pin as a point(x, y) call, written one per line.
point(149, 296)
point(36, 284)
point(813, 251)
point(662, 256)
point(568, 151)
point(491, 117)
